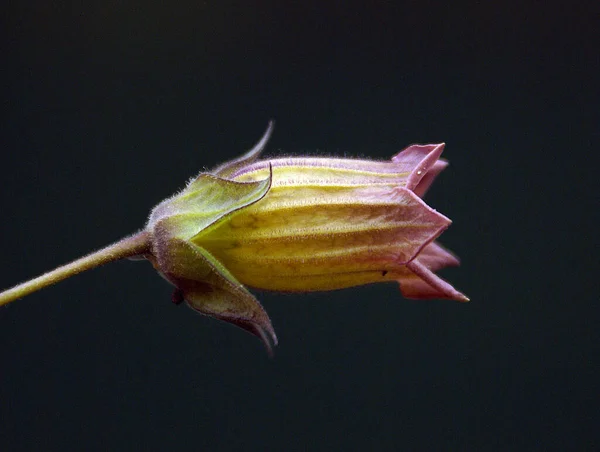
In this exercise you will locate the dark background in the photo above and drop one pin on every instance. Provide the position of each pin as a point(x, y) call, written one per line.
point(111, 106)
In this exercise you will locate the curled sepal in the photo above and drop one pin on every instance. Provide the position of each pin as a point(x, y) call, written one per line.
point(238, 307)
point(212, 290)
point(230, 167)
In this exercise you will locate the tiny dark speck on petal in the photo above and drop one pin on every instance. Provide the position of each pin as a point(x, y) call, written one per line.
point(383, 273)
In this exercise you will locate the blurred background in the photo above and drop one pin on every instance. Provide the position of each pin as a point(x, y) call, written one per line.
point(109, 107)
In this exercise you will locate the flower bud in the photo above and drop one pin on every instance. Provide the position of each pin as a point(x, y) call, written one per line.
point(300, 225)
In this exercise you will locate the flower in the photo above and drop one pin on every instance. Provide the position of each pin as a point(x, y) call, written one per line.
point(287, 224)
point(299, 225)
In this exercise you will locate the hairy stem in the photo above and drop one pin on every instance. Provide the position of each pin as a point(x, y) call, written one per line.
point(128, 247)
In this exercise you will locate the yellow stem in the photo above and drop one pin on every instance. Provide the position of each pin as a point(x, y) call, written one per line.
point(128, 247)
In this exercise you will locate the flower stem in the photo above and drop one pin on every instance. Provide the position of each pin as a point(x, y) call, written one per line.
point(133, 245)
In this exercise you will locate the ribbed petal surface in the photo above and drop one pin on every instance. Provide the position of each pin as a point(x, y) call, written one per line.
point(328, 223)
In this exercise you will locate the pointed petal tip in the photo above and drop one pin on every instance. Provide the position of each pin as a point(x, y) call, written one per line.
point(420, 149)
point(434, 151)
point(420, 160)
point(427, 285)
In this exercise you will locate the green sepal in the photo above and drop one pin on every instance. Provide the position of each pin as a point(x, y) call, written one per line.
point(202, 203)
point(212, 290)
point(206, 285)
